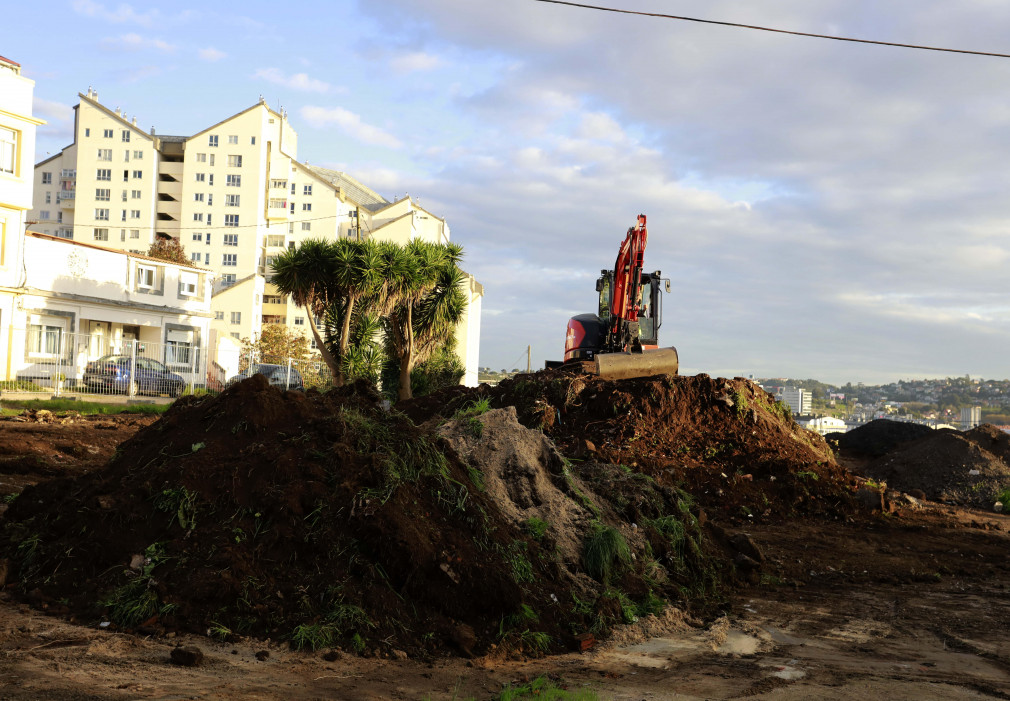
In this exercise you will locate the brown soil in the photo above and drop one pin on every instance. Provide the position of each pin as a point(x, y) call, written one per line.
point(290, 516)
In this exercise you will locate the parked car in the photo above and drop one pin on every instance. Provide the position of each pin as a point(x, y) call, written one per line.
point(276, 374)
point(114, 374)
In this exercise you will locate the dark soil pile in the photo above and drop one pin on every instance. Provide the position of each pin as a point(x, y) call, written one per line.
point(725, 442)
point(966, 468)
point(877, 438)
point(324, 520)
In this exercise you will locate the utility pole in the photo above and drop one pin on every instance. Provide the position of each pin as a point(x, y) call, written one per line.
point(528, 348)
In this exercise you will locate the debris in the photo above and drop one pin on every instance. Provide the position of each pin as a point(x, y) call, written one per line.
point(189, 656)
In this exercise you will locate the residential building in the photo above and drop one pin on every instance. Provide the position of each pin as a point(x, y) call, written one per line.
point(971, 417)
point(234, 195)
point(800, 401)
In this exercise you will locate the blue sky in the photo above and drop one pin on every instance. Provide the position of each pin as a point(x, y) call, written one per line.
point(823, 209)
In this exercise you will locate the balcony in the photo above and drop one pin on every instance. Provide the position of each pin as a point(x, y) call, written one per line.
point(66, 199)
point(277, 210)
point(171, 169)
point(274, 319)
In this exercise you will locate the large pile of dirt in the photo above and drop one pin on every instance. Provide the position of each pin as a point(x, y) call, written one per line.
point(725, 442)
point(324, 520)
point(878, 437)
point(966, 468)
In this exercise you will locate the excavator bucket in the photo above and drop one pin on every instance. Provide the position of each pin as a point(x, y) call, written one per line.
point(624, 366)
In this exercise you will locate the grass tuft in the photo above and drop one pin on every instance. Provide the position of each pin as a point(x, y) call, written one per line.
point(605, 553)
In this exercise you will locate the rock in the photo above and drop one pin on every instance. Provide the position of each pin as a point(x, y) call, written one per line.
point(106, 502)
point(187, 656)
point(997, 507)
point(871, 499)
point(399, 655)
point(262, 655)
point(745, 545)
point(464, 637)
point(331, 656)
point(745, 563)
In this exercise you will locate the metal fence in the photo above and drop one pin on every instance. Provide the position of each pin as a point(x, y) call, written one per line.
point(64, 363)
point(287, 373)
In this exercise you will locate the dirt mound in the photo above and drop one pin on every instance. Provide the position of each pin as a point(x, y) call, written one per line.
point(952, 466)
point(324, 520)
point(725, 442)
point(878, 437)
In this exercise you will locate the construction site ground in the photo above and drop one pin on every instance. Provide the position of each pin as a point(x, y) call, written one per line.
point(906, 601)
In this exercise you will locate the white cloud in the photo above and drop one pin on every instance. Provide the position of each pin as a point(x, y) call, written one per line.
point(414, 62)
point(135, 42)
point(125, 14)
point(296, 81)
point(350, 124)
point(59, 118)
point(211, 54)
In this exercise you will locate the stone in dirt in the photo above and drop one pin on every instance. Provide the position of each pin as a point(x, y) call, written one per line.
point(187, 656)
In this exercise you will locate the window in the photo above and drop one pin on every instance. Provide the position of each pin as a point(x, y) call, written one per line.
point(138, 174)
point(87, 132)
point(292, 207)
point(307, 190)
point(146, 275)
point(208, 239)
point(232, 138)
point(206, 259)
point(219, 316)
point(44, 214)
point(102, 195)
point(124, 195)
point(231, 200)
point(280, 184)
point(236, 317)
point(123, 218)
point(234, 161)
point(126, 155)
point(253, 142)
point(293, 188)
point(135, 194)
point(273, 299)
point(198, 237)
point(104, 174)
point(306, 206)
point(275, 241)
point(126, 135)
point(47, 178)
point(101, 234)
point(201, 158)
point(134, 214)
point(177, 350)
point(59, 218)
point(188, 283)
point(101, 215)
point(229, 260)
point(126, 176)
point(231, 220)
point(210, 198)
point(228, 279)
point(201, 177)
point(105, 154)
point(212, 159)
point(233, 181)
point(49, 198)
point(234, 334)
point(107, 133)
point(210, 219)
point(212, 140)
point(44, 339)
point(299, 321)
point(198, 197)
point(231, 239)
point(278, 204)
point(195, 257)
point(198, 216)
point(210, 181)
point(134, 233)
point(122, 234)
point(138, 155)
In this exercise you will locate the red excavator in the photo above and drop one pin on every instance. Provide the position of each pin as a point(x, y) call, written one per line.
point(623, 338)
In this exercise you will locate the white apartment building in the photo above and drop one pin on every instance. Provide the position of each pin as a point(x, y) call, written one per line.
point(234, 195)
point(800, 401)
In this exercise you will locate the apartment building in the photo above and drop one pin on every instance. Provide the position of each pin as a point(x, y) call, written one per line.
point(234, 195)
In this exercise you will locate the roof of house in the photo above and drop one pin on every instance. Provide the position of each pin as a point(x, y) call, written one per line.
point(355, 191)
point(7, 60)
point(141, 256)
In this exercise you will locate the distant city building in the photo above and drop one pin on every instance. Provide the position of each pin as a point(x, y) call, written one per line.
point(826, 424)
point(971, 417)
point(800, 401)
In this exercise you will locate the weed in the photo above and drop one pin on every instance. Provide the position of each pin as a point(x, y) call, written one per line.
point(137, 601)
point(473, 409)
point(84, 408)
point(28, 549)
point(807, 474)
point(219, 631)
point(782, 410)
point(314, 636)
point(9, 499)
point(1003, 497)
point(181, 503)
point(740, 403)
point(340, 619)
point(537, 643)
point(536, 527)
point(358, 644)
point(520, 567)
point(605, 552)
point(476, 477)
point(545, 689)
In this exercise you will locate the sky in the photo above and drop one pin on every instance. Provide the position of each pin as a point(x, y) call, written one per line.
point(823, 209)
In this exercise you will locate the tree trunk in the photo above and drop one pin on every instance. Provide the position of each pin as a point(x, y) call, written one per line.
point(345, 331)
point(407, 357)
point(332, 363)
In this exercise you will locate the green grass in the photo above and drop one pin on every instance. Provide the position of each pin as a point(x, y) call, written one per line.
point(11, 407)
point(545, 689)
point(475, 408)
point(536, 527)
point(605, 553)
point(1004, 498)
point(136, 601)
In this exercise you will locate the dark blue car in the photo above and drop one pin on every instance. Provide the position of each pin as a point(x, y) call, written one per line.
point(114, 374)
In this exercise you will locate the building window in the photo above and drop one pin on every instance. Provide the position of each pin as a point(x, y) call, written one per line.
point(210, 199)
point(198, 197)
point(210, 219)
point(87, 132)
point(201, 177)
point(234, 161)
point(126, 135)
point(219, 316)
point(134, 233)
point(201, 158)
point(299, 321)
point(187, 284)
point(292, 207)
point(279, 184)
point(126, 176)
point(135, 194)
point(138, 174)
point(146, 275)
point(233, 181)
point(234, 334)
point(198, 237)
point(208, 238)
point(44, 339)
point(253, 142)
point(293, 188)
point(123, 218)
point(206, 259)
point(104, 174)
point(307, 190)
point(101, 215)
point(105, 154)
point(138, 155)
point(107, 133)
point(198, 216)
point(101, 234)
point(126, 155)
point(102, 195)
point(47, 178)
point(210, 180)
point(231, 200)
point(306, 206)
point(212, 159)
point(124, 195)
point(231, 239)
point(49, 198)
point(195, 257)
point(212, 140)
point(278, 204)
point(134, 214)
point(236, 317)
point(231, 220)
point(229, 260)
point(44, 214)
point(232, 138)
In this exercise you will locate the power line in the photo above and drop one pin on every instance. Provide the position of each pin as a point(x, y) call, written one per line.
point(771, 29)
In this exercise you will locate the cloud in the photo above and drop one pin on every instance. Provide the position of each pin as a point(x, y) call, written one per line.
point(59, 118)
point(296, 81)
point(125, 14)
point(350, 124)
point(211, 54)
point(415, 62)
point(135, 42)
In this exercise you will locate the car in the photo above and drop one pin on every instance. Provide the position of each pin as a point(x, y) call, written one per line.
point(114, 373)
point(276, 374)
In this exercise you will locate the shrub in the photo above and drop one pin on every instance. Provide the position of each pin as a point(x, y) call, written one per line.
point(605, 552)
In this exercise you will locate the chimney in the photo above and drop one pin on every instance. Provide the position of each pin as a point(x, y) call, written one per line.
point(119, 113)
point(134, 121)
